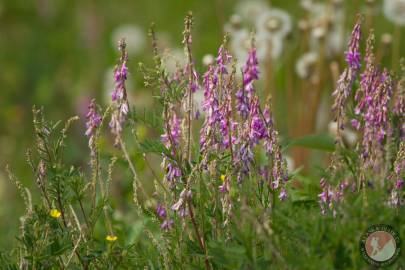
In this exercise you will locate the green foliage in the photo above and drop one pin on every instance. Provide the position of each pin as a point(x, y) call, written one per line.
point(74, 224)
point(323, 142)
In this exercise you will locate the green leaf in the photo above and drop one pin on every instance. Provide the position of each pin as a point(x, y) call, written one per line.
point(323, 142)
point(153, 146)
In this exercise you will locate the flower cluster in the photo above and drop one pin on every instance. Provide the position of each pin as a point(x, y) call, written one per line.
point(93, 121)
point(273, 152)
point(397, 176)
point(171, 140)
point(331, 196)
point(218, 123)
point(245, 94)
point(258, 126)
point(162, 214)
point(372, 108)
point(378, 109)
point(119, 94)
point(346, 79)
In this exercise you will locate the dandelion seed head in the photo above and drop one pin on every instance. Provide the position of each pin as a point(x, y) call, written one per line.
point(235, 21)
point(306, 64)
point(133, 34)
point(208, 59)
point(276, 23)
point(250, 10)
point(394, 11)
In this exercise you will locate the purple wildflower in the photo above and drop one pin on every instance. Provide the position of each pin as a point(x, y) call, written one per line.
point(346, 79)
point(283, 194)
point(367, 78)
point(325, 198)
point(161, 211)
point(171, 140)
point(355, 123)
point(119, 94)
point(250, 74)
point(399, 184)
point(247, 105)
point(172, 135)
point(257, 126)
point(376, 124)
point(167, 224)
point(273, 152)
point(353, 54)
point(93, 121)
point(210, 106)
point(173, 173)
point(189, 70)
point(218, 123)
point(180, 205)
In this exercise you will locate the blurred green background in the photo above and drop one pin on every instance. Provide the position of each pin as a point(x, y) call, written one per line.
point(60, 53)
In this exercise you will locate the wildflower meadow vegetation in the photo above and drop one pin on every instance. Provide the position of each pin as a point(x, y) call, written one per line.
point(215, 183)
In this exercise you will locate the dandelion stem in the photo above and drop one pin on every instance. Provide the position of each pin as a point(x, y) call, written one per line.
point(396, 46)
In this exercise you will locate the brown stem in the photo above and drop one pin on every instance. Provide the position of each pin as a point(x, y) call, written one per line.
point(84, 214)
point(59, 200)
point(197, 232)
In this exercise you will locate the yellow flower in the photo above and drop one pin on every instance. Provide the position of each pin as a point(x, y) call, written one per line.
point(55, 213)
point(222, 177)
point(111, 238)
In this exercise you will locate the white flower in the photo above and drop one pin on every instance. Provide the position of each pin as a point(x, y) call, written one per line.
point(265, 46)
point(208, 59)
point(333, 128)
point(240, 45)
point(335, 41)
point(198, 99)
point(133, 35)
point(274, 45)
point(249, 10)
point(306, 4)
point(306, 64)
point(275, 22)
point(174, 59)
point(350, 136)
point(394, 10)
point(327, 23)
point(236, 21)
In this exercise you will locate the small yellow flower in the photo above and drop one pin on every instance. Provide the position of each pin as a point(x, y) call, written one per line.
point(55, 213)
point(111, 238)
point(222, 177)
